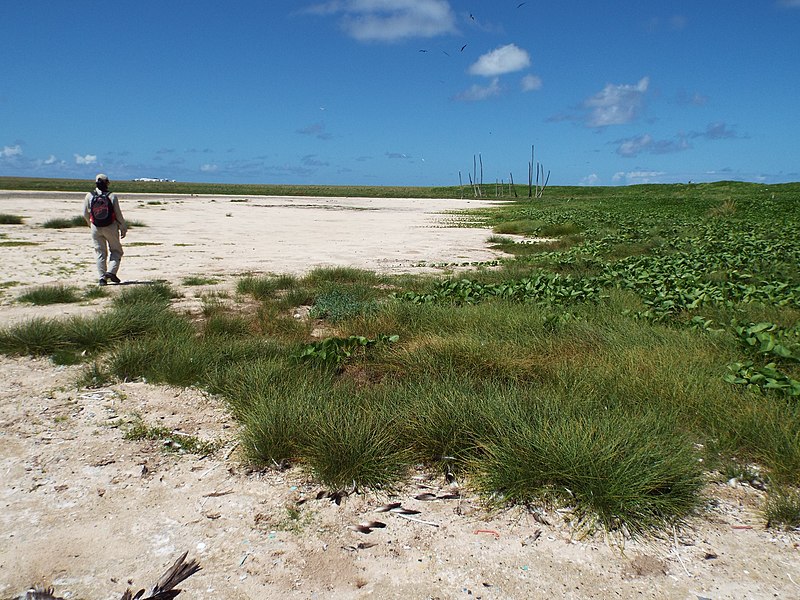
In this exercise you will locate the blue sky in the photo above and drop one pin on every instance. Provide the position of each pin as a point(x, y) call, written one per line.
point(401, 92)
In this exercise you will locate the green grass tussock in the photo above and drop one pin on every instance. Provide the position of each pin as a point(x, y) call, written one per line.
point(612, 468)
point(351, 445)
point(65, 223)
point(782, 509)
point(50, 294)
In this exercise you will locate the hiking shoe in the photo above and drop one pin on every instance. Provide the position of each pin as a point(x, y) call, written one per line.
point(102, 281)
point(112, 277)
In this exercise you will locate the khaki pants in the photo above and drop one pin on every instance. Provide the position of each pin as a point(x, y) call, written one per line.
point(106, 241)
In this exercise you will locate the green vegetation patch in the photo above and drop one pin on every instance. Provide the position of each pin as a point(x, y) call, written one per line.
point(6, 219)
point(51, 294)
point(199, 280)
point(170, 440)
point(15, 243)
point(65, 223)
point(652, 347)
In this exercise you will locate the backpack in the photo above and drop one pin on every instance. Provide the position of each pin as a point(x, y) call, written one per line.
point(101, 210)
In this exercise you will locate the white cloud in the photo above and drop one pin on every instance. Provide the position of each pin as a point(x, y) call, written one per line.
point(51, 160)
point(86, 159)
point(505, 59)
point(477, 92)
point(592, 179)
point(9, 151)
point(633, 177)
point(390, 20)
point(646, 143)
point(209, 168)
point(716, 131)
point(531, 83)
point(616, 104)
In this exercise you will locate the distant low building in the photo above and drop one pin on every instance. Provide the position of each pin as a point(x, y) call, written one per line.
point(154, 179)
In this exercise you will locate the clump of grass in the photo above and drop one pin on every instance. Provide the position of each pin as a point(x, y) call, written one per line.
point(184, 358)
point(449, 417)
point(275, 405)
point(91, 334)
point(350, 446)
point(726, 209)
point(519, 227)
point(272, 321)
point(613, 469)
point(64, 223)
point(134, 313)
point(6, 219)
point(170, 440)
point(228, 326)
point(66, 357)
point(95, 291)
point(298, 295)
point(339, 303)
point(16, 243)
point(341, 276)
point(559, 230)
point(264, 288)
point(199, 280)
point(50, 294)
point(94, 376)
point(158, 293)
point(35, 337)
point(500, 240)
point(782, 509)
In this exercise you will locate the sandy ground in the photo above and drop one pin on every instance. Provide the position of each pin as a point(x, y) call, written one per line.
point(90, 513)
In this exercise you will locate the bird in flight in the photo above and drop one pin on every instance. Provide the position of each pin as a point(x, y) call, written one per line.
point(462, 47)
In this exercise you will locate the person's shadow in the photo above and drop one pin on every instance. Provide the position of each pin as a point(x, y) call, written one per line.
point(138, 282)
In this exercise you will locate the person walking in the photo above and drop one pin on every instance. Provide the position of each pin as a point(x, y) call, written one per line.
point(103, 214)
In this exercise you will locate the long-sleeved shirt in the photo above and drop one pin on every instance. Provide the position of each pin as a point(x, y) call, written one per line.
point(119, 220)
